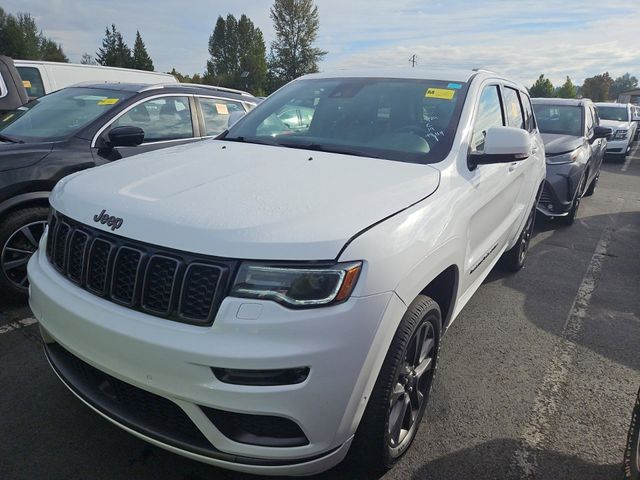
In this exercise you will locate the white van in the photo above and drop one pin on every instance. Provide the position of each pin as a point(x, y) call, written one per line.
point(40, 78)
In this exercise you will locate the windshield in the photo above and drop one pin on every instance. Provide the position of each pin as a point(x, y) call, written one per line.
point(559, 119)
point(396, 119)
point(613, 113)
point(59, 114)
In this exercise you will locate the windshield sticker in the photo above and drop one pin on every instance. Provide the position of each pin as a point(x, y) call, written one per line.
point(108, 101)
point(26, 83)
point(222, 109)
point(457, 86)
point(442, 93)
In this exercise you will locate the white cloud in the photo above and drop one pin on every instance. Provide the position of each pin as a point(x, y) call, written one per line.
point(523, 38)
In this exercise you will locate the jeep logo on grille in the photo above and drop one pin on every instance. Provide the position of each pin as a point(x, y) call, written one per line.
point(108, 220)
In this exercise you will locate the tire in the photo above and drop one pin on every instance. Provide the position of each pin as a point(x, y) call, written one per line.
point(514, 258)
point(632, 452)
point(592, 186)
point(20, 232)
point(575, 205)
point(376, 448)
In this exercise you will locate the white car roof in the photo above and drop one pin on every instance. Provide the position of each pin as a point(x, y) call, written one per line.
point(612, 104)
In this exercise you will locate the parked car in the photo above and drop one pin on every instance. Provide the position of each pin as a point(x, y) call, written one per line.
point(574, 145)
point(632, 452)
point(12, 92)
point(40, 77)
point(81, 127)
point(272, 299)
point(619, 117)
point(635, 116)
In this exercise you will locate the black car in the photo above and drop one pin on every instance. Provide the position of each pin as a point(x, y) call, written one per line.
point(632, 452)
point(84, 126)
point(574, 145)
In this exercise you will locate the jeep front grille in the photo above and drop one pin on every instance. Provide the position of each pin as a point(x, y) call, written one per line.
point(160, 281)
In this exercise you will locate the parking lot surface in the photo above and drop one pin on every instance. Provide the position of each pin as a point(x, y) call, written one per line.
point(537, 376)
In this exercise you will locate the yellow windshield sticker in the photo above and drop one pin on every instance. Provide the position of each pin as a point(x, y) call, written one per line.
point(108, 101)
point(222, 109)
point(26, 83)
point(443, 93)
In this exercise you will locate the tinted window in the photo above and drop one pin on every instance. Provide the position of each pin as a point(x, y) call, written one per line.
point(32, 81)
point(529, 121)
point(59, 114)
point(513, 108)
point(216, 113)
point(397, 119)
point(613, 113)
point(489, 115)
point(588, 118)
point(559, 119)
point(166, 118)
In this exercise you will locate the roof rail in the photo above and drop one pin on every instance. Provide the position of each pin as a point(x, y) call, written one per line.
point(483, 70)
point(197, 85)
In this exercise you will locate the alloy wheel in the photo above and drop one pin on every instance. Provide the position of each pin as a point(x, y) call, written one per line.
point(17, 251)
point(412, 386)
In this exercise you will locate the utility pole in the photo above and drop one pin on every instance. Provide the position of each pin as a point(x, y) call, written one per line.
point(413, 60)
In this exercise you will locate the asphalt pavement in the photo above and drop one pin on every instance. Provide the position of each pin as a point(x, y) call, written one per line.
point(537, 376)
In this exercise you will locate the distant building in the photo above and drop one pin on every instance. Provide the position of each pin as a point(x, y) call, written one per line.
point(630, 96)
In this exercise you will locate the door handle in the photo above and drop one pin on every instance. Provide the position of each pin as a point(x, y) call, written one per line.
point(512, 166)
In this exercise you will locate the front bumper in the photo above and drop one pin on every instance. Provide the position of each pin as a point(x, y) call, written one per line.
point(559, 189)
point(618, 147)
point(173, 361)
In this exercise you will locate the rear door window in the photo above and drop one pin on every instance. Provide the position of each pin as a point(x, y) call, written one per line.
point(166, 118)
point(513, 108)
point(216, 113)
point(589, 122)
point(489, 115)
point(32, 81)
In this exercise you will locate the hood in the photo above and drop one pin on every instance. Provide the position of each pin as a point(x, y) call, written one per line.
point(555, 143)
point(615, 124)
point(20, 155)
point(243, 200)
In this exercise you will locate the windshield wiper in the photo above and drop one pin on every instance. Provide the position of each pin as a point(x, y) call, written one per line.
point(4, 138)
point(257, 140)
point(330, 149)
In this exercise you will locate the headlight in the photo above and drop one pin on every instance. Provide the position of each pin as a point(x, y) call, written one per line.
point(620, 134)
point(297, 286)
point(568, 157)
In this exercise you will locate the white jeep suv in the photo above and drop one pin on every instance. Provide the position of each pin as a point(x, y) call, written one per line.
point(271, 299)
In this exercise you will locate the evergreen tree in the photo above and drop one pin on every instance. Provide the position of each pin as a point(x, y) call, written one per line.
point(567, 90)
point(622, 84)
point(542, 88)
point(20, 39)
point(141, 59)
point(87, 59)
point(597, 87)
point(296, 23)
point(114, 52)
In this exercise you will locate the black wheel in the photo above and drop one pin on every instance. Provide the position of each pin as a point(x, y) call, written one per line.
point(592, 187)
point(20, 233)
point(575, 205)
point(514, 258)
point(401, 392)
point(632, 453)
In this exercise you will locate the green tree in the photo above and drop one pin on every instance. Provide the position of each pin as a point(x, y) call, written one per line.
point(622, 84)
point(87, 59)
point(21, 39)
point(114, 52)
point(296, 24)
point(567, 90)
point(195, 78)
point(542, 88)
point(597, 87)
point(141, 59)
point(238, 55)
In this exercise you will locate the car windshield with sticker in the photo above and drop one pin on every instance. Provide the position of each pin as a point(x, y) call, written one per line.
point(407, 120)
point(59, 114)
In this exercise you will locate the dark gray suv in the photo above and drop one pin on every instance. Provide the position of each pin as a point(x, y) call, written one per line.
point(574, 145)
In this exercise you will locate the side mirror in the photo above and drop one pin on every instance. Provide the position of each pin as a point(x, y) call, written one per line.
point(126, 136)
point(602, 132)
point(503, 145)
point(234, 117)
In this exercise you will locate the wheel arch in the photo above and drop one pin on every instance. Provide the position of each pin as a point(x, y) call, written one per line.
point(27, 199)
point(443, 289)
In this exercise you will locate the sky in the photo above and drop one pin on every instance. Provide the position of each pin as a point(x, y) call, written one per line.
point(519, 38)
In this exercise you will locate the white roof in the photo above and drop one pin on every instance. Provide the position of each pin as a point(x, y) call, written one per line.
point(612, 104)
point(426, 73)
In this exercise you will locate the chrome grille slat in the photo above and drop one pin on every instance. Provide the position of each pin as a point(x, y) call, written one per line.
point(165, 283)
